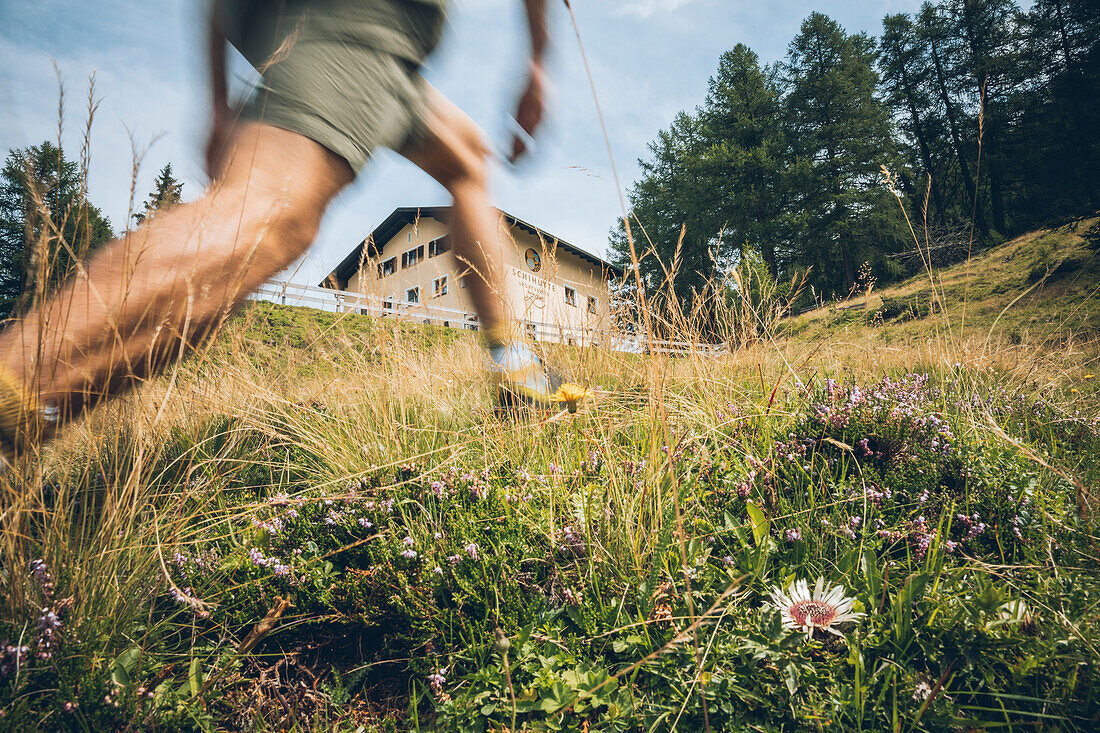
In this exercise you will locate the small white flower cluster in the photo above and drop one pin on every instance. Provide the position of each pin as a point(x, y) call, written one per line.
point(260, 560)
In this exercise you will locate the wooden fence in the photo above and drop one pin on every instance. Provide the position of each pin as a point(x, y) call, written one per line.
point(341, 301)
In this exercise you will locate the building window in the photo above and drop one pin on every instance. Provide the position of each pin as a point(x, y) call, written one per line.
point(570, 341)
point(462, 282)
point(412, 295)
point(439, 246)
point(532, 331)
point(409, 237)
point(593, 305)
point(570, 296)
point(439, 286)
point(387, 304)
point(388, 267)
point(410, 258)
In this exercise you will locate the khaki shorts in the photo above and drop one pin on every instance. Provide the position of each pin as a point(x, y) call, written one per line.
point(344, 73)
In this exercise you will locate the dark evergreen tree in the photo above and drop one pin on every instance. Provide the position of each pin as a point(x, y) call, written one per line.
point(672, 221)
point(989, 109)
point(746, 158)
point(842, 136)
point(165, 194)
point(1059, 136)
point(47, 223)
point(904, 62)
point(986, 49)
point(935, 31)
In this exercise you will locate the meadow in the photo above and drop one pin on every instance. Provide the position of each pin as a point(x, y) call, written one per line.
point(319, 523)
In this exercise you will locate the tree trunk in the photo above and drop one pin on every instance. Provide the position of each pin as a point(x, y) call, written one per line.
point(925, 154)
point(964, 166)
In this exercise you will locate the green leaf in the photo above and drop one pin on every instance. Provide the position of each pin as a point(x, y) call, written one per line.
point(123, 665)
point(759, 522)
point(194, 676)
point(871, 572)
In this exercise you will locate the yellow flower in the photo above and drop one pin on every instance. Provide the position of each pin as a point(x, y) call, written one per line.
point(1089, 376)
point(570, 394)
point(1073, 390)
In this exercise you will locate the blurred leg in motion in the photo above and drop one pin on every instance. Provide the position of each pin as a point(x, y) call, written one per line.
point(163, 288)
point(450, 149)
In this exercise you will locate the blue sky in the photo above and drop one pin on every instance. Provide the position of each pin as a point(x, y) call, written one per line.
point(649, 58)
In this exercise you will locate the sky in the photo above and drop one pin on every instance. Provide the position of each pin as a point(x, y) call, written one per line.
point(649, 60)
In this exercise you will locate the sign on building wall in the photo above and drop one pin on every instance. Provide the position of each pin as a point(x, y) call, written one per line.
point(535, 292)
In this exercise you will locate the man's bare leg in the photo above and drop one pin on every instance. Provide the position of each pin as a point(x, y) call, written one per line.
point(164, 287)
point(453, 153)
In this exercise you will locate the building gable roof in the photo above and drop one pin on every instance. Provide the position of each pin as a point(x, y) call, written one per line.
point(405, 215)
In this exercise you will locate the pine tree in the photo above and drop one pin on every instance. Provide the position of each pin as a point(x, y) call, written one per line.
point(1063, 50)
point(671, 217)
point(746, 155)
point(45, 220)
point(936, 32)
point(986, 62)
point(903, 59)
point(842, 136)
point(165, 194)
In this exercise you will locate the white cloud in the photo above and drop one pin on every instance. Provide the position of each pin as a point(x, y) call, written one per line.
point(646, 8)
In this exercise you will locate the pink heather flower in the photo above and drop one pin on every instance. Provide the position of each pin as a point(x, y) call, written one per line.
point(471, 550)
point(436, 680)
point(408, 554)
point(572, 597)
point(793, 535)
point(365, 523)
point(408, 541)
point(282, 570)
point(181, 595)
point(438, 488)
point(438, 535)
point(437, 570)
point(554, 469)
point(257, 558)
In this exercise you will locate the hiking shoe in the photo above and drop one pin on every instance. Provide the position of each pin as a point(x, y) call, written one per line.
point(521, 378)
point(523, 381)
point(23, 423)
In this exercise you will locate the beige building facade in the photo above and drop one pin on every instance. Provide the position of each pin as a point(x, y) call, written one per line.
point(407, 268)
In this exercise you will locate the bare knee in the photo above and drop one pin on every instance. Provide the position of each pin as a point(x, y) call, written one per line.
point(455, 155)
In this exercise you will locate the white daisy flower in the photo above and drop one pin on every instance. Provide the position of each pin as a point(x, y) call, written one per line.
point(822, 609)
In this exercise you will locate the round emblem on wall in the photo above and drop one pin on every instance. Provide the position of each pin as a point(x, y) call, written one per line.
point(533, 260)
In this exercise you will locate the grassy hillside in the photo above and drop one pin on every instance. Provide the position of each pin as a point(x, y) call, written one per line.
point(1040, 287)
point(320, 524)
